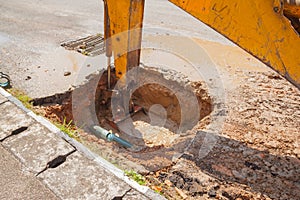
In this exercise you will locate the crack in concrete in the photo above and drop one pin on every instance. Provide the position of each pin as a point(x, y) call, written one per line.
point(59, 160)
point(15, 132)
point(121, 197)
point(3, 102)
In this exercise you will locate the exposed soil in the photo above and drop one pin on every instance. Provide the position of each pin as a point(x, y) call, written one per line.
point(256, 155)
point(173, 111)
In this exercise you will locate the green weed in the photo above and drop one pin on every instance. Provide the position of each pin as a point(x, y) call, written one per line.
point(21, 96)
point(68, 128)
point(135, 176)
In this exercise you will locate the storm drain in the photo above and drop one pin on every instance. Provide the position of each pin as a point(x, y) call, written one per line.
point(89, 46)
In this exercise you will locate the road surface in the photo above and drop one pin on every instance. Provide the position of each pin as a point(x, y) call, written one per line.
point(31, 33)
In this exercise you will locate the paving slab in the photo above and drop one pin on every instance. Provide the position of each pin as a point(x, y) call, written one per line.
point(15, 183)
point(2, 99)
point(12, 118)
point(37, 146)
point(81, 178)
point(18, 103)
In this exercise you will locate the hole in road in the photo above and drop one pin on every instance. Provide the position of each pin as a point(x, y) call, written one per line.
point(174, 109)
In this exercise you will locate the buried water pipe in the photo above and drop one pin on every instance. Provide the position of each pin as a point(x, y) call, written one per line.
point(109, 136)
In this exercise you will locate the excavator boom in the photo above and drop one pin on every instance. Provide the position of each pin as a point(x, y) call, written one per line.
point(260, 27)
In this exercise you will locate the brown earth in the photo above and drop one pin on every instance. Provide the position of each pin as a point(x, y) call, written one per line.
point(256, 154)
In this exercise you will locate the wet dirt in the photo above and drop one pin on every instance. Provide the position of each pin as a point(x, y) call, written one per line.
point(173, 111)
point(256, 155)
point(257, 151)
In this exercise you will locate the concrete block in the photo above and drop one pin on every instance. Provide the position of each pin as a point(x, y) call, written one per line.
point(4, 93)
point(18, 103)
point(12, 118)
point(36, 146)
point(79, 146)
point(15, 183)
point(81, 178)
point(44, 122)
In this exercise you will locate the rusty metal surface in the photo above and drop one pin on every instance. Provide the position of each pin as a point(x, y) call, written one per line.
point(90, 46)
point(292, 10)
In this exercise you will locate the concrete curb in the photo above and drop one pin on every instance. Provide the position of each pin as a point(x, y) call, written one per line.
point(84, 150)
point(4, 93)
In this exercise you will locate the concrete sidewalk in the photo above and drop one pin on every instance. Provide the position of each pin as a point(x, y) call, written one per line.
point(28, 142)
point(18, 184)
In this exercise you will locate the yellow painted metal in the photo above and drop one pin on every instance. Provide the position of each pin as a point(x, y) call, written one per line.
point(258, 26)
point(123, 32)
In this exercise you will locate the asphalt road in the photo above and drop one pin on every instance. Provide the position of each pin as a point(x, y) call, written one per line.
point(31, 33)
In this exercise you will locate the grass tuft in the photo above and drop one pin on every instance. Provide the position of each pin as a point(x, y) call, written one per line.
point(136, 177)
point(21, 96)
point(68, 128)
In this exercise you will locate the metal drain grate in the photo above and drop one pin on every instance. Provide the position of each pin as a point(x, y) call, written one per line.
point(89, 46)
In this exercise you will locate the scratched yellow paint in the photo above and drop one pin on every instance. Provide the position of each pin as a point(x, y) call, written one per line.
point(255, 27)
point(125, 19)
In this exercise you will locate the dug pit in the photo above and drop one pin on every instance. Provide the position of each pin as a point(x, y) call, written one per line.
point(173, 110)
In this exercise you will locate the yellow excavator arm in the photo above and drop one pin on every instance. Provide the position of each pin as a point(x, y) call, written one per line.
point(267, 29)
point(123, 21)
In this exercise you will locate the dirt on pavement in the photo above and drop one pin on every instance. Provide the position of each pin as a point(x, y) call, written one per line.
point(256, 155)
